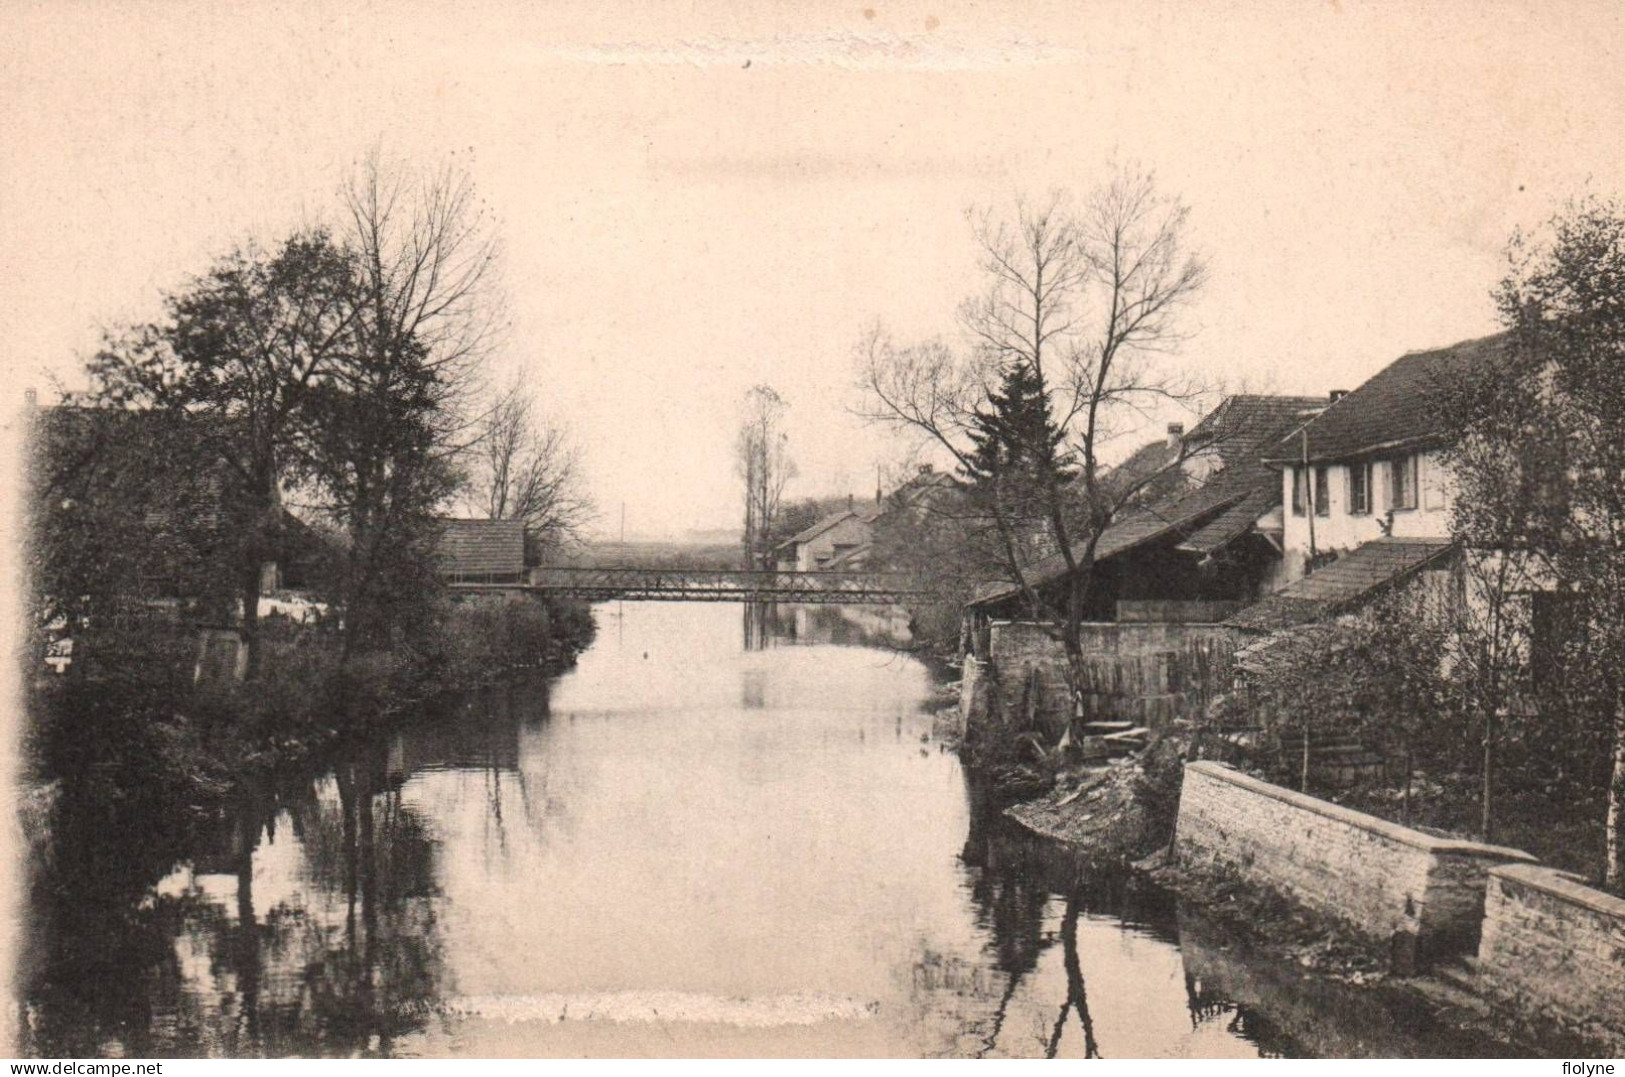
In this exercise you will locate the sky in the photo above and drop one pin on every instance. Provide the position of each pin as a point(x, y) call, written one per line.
point(693, 200)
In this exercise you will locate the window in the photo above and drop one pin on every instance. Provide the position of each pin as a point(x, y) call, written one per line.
point(1298, 482)
point(1402, 483)
point(1323, 492)
point(1360, 489)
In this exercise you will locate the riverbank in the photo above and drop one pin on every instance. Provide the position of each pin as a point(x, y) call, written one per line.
point(1326, 910)
point(144, 725)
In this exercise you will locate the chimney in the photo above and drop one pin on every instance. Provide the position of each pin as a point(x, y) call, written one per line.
point(1176, 435)
point(1338, 394)
point(848, 502)
point(30, 399)
point(926, 469)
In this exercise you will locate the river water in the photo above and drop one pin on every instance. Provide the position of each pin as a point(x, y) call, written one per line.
point(715, 835)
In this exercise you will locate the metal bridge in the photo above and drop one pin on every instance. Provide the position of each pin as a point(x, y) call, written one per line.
point(712, 585)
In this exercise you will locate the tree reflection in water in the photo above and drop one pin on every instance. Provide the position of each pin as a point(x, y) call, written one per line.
point(1016, 883)
point(301, 924)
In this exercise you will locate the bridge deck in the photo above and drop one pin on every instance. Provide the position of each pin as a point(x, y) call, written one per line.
point(713, 585)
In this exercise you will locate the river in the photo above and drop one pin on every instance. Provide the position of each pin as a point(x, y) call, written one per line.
point(715, 836)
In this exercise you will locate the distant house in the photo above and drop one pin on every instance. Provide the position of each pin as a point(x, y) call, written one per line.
point(1206, 543)
point(838, 540)
point(1366, 487)
point(482, 551)
point(842, 541)
point(921, 490)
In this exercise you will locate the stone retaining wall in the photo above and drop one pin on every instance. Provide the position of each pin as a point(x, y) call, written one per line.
point(973, 688)
point(1555, 949)
point(1415, 895)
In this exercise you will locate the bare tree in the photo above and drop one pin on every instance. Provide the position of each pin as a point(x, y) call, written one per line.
point(428, 312)
point(1084, 298)
point(526, 468)
point(762, 456)
point(429, 295)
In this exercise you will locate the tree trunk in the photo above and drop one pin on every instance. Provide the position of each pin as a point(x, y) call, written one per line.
point(1410, 768)
point(1614, 877)
point(1486, 824)
point(249, 592)
point(1072, 630)
point(1303, 775)
point(266, 505)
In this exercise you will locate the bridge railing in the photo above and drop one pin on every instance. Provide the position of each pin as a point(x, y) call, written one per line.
point(720, 584)
point(730, 579)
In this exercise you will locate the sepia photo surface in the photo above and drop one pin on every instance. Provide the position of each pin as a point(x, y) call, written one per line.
point(884, 530)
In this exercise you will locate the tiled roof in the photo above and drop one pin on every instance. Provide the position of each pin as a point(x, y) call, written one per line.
point(1243, 424)
point(1400, 405)
point(1221, 509)
point(1144, 462)
point(817, 529)
point(1234, 521)
point(1342, 584)
point(482, 547)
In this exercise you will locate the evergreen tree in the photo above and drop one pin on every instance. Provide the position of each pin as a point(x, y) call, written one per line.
point(1017, 459)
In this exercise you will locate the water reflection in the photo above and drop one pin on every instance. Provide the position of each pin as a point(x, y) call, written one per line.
point(301, 923)
point(778, 624)
point(727, 844)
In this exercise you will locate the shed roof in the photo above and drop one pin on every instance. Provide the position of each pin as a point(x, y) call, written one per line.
point(1400, 405)
point(1343, 584)
point(482, 547)
point(1213, 514)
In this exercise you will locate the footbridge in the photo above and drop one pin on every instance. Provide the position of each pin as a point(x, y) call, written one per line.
point(714, 585)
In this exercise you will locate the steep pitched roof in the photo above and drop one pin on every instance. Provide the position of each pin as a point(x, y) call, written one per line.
point(482, 547)
point(1217, 512)
point(1343, 584)
point(1399, 406)
point(818, 528)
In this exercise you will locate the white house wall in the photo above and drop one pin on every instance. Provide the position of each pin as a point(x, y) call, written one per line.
point(849, 532)
point(1340, 529)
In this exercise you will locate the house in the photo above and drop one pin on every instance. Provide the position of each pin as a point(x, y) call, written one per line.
point(1204, 544)
point(482, 551)
point(1366, 490)
point(842, 541)
point(922, 490)
point(838, 541)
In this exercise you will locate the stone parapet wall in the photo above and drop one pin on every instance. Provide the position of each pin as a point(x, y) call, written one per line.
point(1555, 949)
point(1415, 895)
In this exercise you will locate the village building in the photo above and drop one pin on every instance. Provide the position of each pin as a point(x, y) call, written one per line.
point(1366, 489)
point(839, 540)
point(1203, 543)
point(843, 541)
point(482, 551)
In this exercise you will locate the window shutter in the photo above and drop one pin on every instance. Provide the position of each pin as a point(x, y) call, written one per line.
point(1432, 483)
